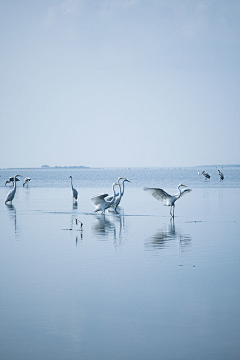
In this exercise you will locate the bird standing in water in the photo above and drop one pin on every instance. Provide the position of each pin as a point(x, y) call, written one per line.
point(26, 181)
point(207, 176)
point(162, 195)
point(101, 203)
point(11, 179)
point(220, 175)
point(11, 194)
point(74, 191)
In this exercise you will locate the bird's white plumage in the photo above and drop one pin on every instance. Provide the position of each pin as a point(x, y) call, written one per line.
point(99, 198)
point(121, 193)
point(100, 202)
point(26, 181)
point(162, 195)
point(11, 194)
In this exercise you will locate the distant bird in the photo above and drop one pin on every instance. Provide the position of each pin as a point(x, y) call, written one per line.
point(11, 179)
point(26, 181)
point(100, 203)
point(74, 191)
point(162, 195)
point(11, 194)
point(221, 175)
point(207, 176)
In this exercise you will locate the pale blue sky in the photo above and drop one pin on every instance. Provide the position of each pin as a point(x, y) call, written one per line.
point(120, 83)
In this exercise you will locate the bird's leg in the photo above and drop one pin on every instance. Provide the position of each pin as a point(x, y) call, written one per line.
point(173, 212)
point(170, 210)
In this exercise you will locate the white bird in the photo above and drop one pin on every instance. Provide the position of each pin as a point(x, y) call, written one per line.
point(120, 195)
point(11, 194)
point(100, 203)
point(207, 176)
point(11, 179)
point(74, 191)
point(26, 181)
point(221, 175)
point(162, 195)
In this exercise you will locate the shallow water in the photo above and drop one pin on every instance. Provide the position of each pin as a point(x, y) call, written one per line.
point(133, 285)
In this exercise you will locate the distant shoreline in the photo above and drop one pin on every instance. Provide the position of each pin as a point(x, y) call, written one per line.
point(46, 167)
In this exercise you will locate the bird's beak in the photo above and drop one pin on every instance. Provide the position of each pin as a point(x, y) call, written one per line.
point(128, 180)
point(122, 178)
point(118, 184)
point(19, 175)
point(184, 185)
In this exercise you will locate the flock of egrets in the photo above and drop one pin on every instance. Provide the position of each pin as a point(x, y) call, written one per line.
point(103, 202)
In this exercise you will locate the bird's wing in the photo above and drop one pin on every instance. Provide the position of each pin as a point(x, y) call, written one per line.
point(98, 199)
point(185, 191)
point(109, 198)
point(75, 193)
point(159, 194)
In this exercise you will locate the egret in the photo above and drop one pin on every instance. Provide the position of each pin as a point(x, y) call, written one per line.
point(26, 181)
point(101, 204)
point(11, 179)
point(74, 191)
point(207, 176)
point(119, 197)
point(221, 175)
point(162, 195)
point(11, 194)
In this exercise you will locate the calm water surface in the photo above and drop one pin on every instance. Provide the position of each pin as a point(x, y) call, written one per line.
point(132, 285)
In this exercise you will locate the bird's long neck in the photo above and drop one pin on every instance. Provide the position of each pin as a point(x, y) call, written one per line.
point(114, 194)
point(122, 192)
point(71, 183)
point(179, 192)
point(14, 184)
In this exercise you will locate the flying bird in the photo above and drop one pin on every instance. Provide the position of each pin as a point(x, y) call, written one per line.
point(26, 181)
point(11, 179)
point(220, 175)
point(207, 176)
point(11, 194)
point(74, 191)
point(162, 195)
point(101, 203)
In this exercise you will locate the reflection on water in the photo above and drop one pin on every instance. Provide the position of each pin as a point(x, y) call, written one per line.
point(79, 237)
point(13, 216)
point(75, 205)
point(162, 238)
point(103, 227)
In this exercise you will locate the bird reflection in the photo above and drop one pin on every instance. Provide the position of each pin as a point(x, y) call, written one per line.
point(103, 228)
point(13, 215)
point(75, 205)
point(162, 238)
point(79, 237)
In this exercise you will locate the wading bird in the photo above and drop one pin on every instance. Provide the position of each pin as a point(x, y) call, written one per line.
point(118, 195)
point(100, 203)
point(74, 191)
point(221, 175)
point(26, 181)
point(207, 176)
point(11, 179)
point(11, 194)
point(162, 195)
